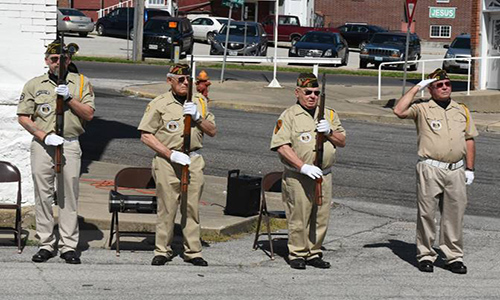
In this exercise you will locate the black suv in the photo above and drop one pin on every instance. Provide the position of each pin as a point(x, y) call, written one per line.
point(357, 35)
point(161, 34)
point(390, 47)
point(120, 21)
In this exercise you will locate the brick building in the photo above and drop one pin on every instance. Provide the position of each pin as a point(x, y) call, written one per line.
point(435, 20)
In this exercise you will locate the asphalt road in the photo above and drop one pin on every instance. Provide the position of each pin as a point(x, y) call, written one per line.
point(376, 166)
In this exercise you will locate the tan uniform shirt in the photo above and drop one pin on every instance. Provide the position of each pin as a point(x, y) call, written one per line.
point(442, 132)
point(165, 120)
point(38, 99)
point(297, 128)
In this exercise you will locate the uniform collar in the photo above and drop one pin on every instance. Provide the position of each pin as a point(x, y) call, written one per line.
point(298, 109)
point(46, 78)
point(453, 104)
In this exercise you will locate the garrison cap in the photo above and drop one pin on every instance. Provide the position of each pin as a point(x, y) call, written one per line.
point(55, 48)
point(306, 80)
point(438, 74)
point(179, 69)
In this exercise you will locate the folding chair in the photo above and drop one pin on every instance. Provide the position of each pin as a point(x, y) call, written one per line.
point(270, 183)
point(10, 173)
point(134, 178)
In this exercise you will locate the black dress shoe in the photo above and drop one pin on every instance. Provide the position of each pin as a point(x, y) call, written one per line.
point(457, 267)
point(198, 261)
point(41, 256)
point(71, 258)
point(425, 266)
point(318, 263)
point(160, 260)
point(298, 263)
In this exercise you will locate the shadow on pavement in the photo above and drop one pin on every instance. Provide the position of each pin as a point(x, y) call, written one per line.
point(403, 250)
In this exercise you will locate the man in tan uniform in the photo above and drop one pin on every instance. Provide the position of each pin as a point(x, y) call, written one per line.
point(37, 114)
point(162, 129)
point(294, 139)
point(445, 139)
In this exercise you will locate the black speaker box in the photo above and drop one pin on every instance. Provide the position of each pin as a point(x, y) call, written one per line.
point(243, 194)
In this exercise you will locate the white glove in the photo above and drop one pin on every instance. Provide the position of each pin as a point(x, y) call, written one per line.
point(63, 90)
point(53, 140)
point(323, 127)
point(180, 158)
point(469, 177)
point(311, 171)
point(191, 109)
point(424, 83)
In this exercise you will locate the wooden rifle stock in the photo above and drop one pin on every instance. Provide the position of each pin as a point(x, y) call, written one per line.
point(186, 145)
point(61, 79)
point(320, 139)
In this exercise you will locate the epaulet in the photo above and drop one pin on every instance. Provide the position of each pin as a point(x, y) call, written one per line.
point(203, 105)
point(467, 115)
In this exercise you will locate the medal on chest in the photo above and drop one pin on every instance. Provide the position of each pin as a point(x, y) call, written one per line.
point(172, 126)
point(45, 109)
point(436, 125)
point(305, 137)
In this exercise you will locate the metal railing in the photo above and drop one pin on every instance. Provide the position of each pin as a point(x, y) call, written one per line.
point(423, 61)
point(315, 61)
point(104, 11)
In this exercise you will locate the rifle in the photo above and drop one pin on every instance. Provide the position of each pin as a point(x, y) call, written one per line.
point(320, 139)
point(186, 145)
point(61, 79)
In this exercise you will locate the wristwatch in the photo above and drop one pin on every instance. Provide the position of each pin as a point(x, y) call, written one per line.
point(470, 169)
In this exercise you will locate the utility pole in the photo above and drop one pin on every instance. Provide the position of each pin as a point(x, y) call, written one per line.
point(138, 30)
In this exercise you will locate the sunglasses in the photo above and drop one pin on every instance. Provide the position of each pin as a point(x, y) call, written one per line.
point(54, 59)
point(441, 84)
point(309, 92)
point(182, 79)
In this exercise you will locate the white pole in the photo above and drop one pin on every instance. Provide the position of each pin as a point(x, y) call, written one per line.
point(468, 76)
point(228, 29)
point(274, 83)
point(316, 70)
point(423, 77)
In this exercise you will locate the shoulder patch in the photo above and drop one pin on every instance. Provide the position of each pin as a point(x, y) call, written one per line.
point(279, 124)
point(91, 90)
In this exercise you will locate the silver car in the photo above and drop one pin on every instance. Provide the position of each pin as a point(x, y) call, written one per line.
point(73, 20)
point(459, 49)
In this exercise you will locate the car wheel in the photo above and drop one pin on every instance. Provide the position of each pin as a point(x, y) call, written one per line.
point(210, 37)
point(414, 67)
point(447, 70)
point(264, 52)
point(346, 60)
point(83, 34)
point(100, 30)
point(363, 64)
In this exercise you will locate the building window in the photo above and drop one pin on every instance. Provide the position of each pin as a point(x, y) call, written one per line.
point(442, 1)
point(156, 2)
point(440, 31)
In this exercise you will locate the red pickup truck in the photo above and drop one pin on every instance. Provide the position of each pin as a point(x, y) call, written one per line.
point(289, 29)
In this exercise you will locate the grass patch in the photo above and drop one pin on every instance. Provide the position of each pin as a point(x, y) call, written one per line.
point(258, 67)
point(32, 243)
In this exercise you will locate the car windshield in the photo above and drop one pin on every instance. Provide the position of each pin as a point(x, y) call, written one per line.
point(461, 43)
point(222, 21)
point(239, 29)
point(72, 12)
point(318, 38)
point(388, 39)
point(162, 26)
point(376, 28)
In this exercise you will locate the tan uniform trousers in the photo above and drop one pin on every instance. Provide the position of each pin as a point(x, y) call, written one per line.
point(444, 189)
point(42, 167)
point(168, 187)
point(307, 222)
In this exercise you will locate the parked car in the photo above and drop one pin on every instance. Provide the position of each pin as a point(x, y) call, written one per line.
point(357, 35)
point(459, 48)
point(321, 44)
point(73, 20)
point(204, 27)
point(289, 28)
point(245, 38)
point(390, 47)
point(161, 34)
point(120, 21)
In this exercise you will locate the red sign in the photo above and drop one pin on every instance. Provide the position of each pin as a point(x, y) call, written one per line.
point(410, 10)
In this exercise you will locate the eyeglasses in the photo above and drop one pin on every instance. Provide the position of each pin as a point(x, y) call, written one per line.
point(183, 79)
point(309, 92)
point(441, 84)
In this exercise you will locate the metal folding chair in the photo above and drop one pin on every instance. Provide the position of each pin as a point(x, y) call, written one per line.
point(270, 183)
point(10, 173)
